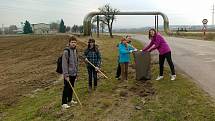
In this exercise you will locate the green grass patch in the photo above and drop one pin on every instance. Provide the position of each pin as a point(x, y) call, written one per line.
point(179, 100)
point(210, 36)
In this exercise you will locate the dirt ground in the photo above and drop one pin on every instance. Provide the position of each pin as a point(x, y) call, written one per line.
point(28, 63)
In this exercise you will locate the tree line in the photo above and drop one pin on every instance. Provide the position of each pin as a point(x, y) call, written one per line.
point(54, 26)
point(105, 20)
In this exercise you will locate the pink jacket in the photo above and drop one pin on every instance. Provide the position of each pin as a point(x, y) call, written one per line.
point(160, 44)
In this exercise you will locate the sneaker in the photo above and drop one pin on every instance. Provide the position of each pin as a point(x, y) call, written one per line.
point(159, 78)
point(89, 90)
point(173, 77)
point(65, 106)
point(95, 87)
point(118, 78)
point(74, 102)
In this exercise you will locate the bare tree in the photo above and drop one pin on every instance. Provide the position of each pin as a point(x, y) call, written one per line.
point(6, 30)
point(54, 26)
point(68, 29)
point(102, 25)
point(12, 29)
point(75, 28)
point(109, 16)
point(81, 28)
point(93, 27)
point(101, 20)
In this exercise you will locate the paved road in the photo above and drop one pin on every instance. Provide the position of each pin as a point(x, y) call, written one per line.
point(195, 57)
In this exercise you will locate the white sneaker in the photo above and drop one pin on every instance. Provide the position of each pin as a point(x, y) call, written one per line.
point(74, 102)
point(159, 78)
point(173, 77)
point(65, 106)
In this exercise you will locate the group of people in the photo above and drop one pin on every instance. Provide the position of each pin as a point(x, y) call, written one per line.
point(70, 68)
point(92, 55)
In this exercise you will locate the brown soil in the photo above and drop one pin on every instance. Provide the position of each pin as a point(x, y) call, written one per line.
point(28, 63)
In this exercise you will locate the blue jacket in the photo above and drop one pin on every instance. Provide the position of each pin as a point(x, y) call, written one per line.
point(124, 54)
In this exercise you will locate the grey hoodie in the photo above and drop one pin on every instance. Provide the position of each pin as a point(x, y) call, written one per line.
point(72, 68)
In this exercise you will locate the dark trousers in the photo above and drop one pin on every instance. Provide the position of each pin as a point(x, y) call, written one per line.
point(169, 60)
point(118, 71)
point(124, 70)
point(92, 74)
point(67, 90)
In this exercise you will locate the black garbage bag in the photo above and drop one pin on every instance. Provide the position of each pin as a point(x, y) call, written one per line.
point(142, 64)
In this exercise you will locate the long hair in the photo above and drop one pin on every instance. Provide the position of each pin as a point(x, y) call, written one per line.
point(150, 36)
point(95, 48)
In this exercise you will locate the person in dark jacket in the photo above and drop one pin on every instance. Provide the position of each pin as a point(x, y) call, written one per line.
point(118, 70)
point(92, 55)
point(70, 70)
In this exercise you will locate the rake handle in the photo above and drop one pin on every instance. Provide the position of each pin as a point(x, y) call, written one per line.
point(75, 93)
point(98, 69)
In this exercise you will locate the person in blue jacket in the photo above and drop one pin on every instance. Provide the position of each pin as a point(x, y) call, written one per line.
point(124, 57)
point(118, 70)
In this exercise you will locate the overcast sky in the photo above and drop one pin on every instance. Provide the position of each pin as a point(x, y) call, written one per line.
point(179, 12)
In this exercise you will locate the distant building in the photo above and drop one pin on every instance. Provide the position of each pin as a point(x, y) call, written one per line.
point(41, 28)
point(18, 31)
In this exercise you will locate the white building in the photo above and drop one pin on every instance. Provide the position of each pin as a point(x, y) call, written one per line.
point(18, 31)
point(41, 28)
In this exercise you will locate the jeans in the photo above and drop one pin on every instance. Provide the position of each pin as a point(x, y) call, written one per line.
point(67, 90)
point(124, 70)
point(169, 60)
point(92, 74)
point(118, 71)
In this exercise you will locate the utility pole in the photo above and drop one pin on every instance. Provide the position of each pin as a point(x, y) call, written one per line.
point(97, 26)
point(2, 29)
point(213, 16)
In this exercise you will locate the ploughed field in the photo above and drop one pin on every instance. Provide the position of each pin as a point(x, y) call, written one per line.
point(28, 63)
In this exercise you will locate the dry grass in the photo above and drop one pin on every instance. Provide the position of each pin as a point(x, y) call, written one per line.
point(113, 101)
point(210, 36)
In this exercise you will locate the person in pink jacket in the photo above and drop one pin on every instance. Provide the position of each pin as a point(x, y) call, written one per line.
point(159, 43)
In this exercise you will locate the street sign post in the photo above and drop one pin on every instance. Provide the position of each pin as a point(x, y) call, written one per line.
point(204, 21)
